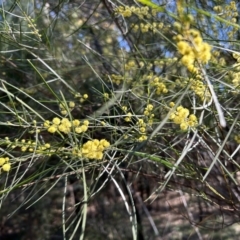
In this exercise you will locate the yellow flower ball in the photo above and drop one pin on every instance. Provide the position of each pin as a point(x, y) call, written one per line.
point(2, 161)
point(52, 129)
point(172, 116)
point(195, 33)
point(64, 112)
point(192, 117)
point(105, 143)
point(46, 123)
point(184, 126)
point(98, 155)
point(84, 128)
point(187, 59)
point(183, 47)
point(198, 40)
point(23, 148)
point(124, 108)
point(71, 104)
point(78, 129)
point(95, 142)
point(149, 107)
point(47, 145)
point(179, 108)
point(85, 96)
point(165, 90)
point(106, 95)
point(63, 128)
point(56, 121)
point(6, 167)
point(142, 138)
point(178, 120)
point(127, 119)
point(171, 104)
point(66, 122)
point(86, 122)
point(76, 122)
point(183, 113)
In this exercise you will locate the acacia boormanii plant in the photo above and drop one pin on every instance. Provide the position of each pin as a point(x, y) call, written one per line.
point(101, 98)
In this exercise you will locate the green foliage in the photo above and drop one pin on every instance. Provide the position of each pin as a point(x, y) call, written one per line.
point(109, 93)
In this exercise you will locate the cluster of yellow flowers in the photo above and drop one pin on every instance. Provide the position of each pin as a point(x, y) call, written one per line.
point(200, 88)
point(82, 98)
point(229, 11)
point(148, 114)
point(128, 118)
point(236, 56)
point(33, 25)
point(217, 59)
point(146, 27)
point(64, 125)
point(142, 125)
point(5, 164)
point(63, 108)
point(157, 83)
point(130, 65)
point(181, 116)
point(117, 79)
point(141, 12)
point(236, 79)
point(142, 129)
point(124, 108)
point(148, 110)
point(106, 96)
point(92, 149)
point(235, 75)
point(28, 145)
point(142, 138)
point(192, 47)
point(161, 63)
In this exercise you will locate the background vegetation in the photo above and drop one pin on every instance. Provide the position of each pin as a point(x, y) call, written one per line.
point(119, 119)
